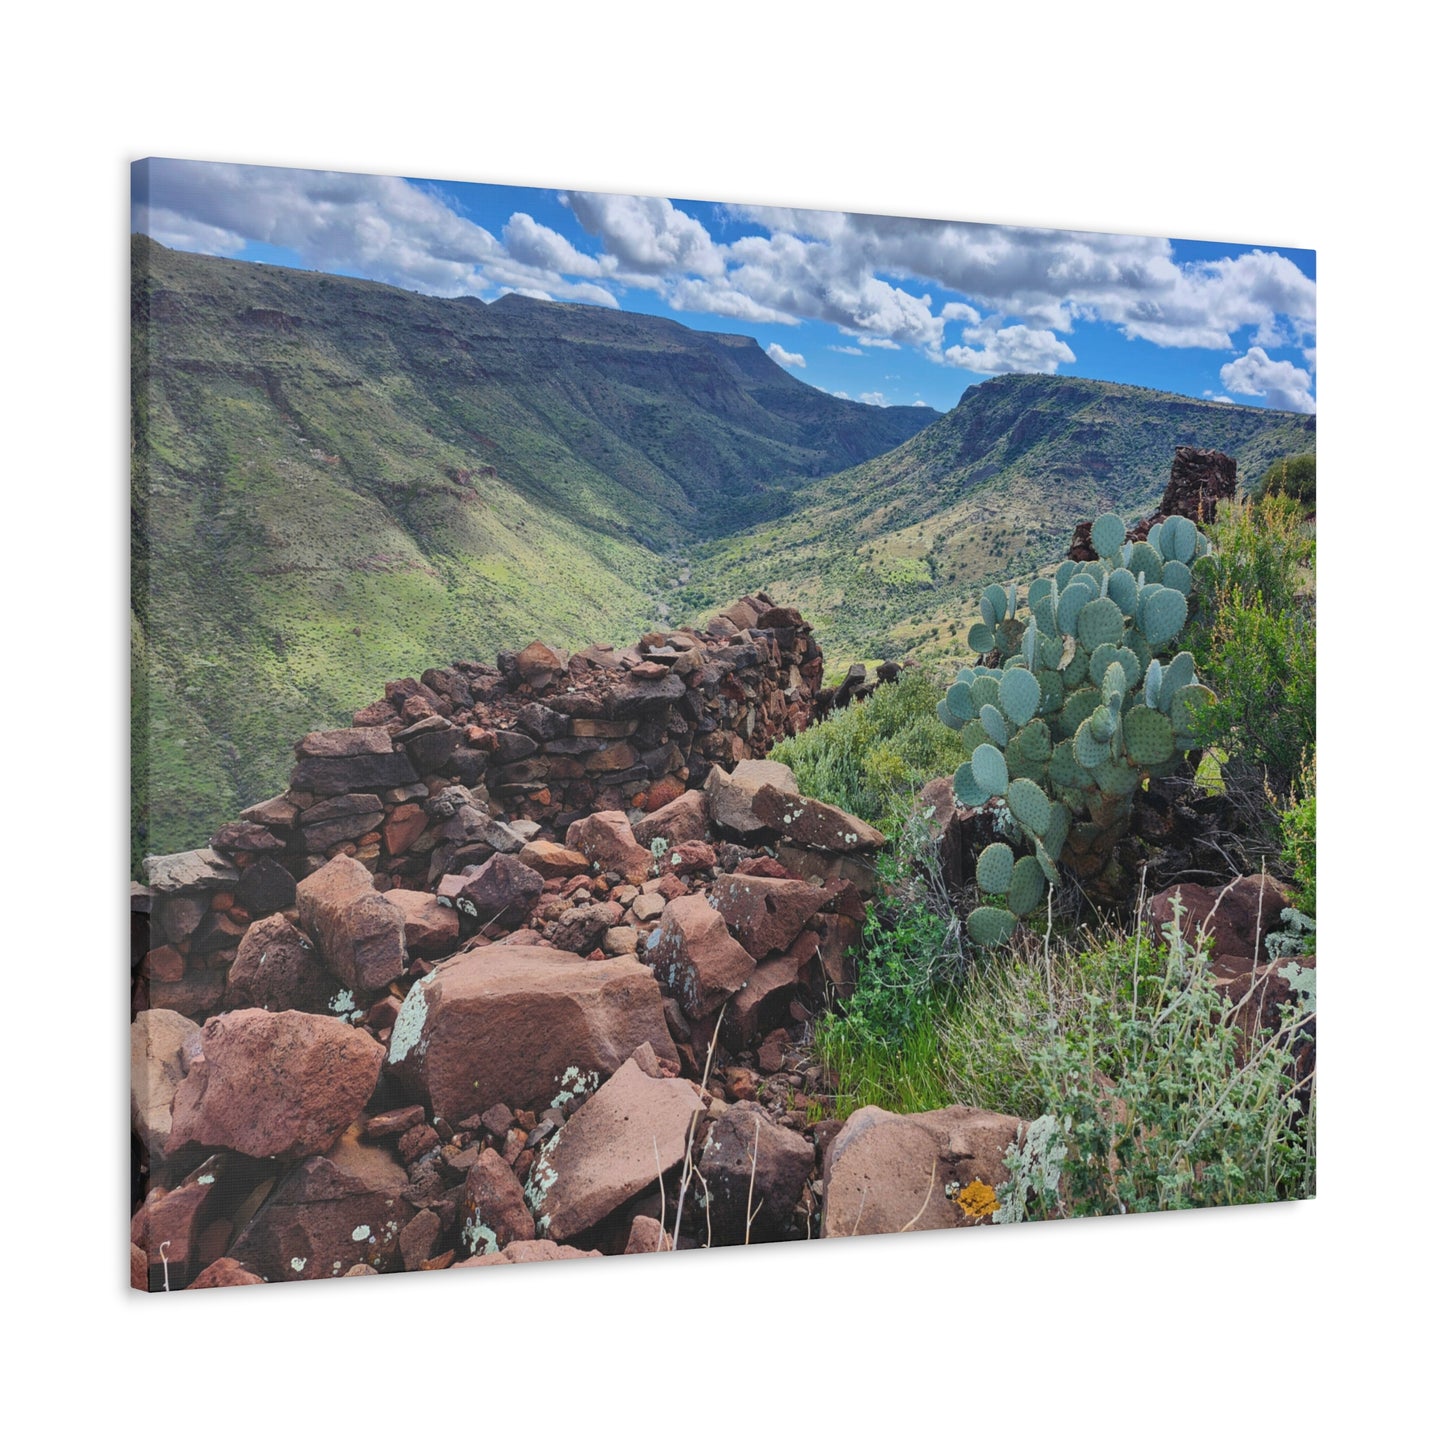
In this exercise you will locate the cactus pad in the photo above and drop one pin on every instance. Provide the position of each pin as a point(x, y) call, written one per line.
point(1100, 621)
point(1116, 779)
point(1076, 670)
point(1020, 764)
point(1057, 832)
point(1107, 534)
point(994, 868)
point(1071, 602)
point(1047, 866)
point(1039, 588)
point(971, 735)
point(1178, 576)
point(946, 717)
point(1026, 887)
point(1124, 590)
point(984, 689)
point(991, 927)
point(1044, 615)
point(990, 771)
point(1065, 574)
point(1007, 635)
point(966, 790)
point(994, 724)
point(1153, 678)
point(959, 701)
point(1185, 715)
point(1078, 706)
point(1148, 737)
point(986, 611)
point(1019, 695)
point(1163, 615)
point(1089, 751)
point(1179, 674)
point(1034, 741)
point(1103, 657)
point(1147, 560)
point(980, 637)
point(1051, 653)
point(997, 598)
point(1178, 538)
point(1051, 692)
point(1029, 804)
point(1064, 769)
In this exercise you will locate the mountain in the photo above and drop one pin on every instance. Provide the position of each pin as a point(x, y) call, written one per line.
point(888, 556)
point(335, 482)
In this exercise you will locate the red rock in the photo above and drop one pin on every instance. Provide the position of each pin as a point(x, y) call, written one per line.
point(1237, 916)
point(730, 796)
point(660, 794)
point(278, 812)
point(222, 1273)
point(164, 963)
point(606, 840)
point(394, 1122)
point(494, 1211)
point(361, 935)
point(815, 824)
point(418, 1239)
point(139, 1271)
point(416, 1141)
point(610, 1150)
point(328, 1214)
point(402, 828)
point(767, 914)
point(770, 1053)
point(763, 867)
point(168, 1224)
point(276, 968)
point(283, 1084)
point(839, 937)
point(619, 941)
point(688, 859)
point(522, 1026)
point(429, 928)
point(529, 1251)
point(266, 887)
point(884, 1170)
point(667, 887)
point(647, 1236)
point(695, 957)
point(762, 1002)
point(552, 860)
point(501, 891)
point(579, 929)
point(540, 664)
point(246, 838)
point(160, 1044)
point(749, 1163)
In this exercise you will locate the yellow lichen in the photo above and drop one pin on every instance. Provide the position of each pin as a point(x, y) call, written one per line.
point(978, 1200)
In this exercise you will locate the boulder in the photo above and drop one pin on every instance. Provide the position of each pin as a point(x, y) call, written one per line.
point(503, 890)
point(762, 1002)
point(683, 820)
point(692, 953)
point(361, 935)
point(197, 871)
point(429, 928)
point(580, 929)
point(276, 968)
point(349, 760)
point(224, 1272)
point(169, 1223)
point(284, 1084)
point(766, 914)
point(886, 1172)
point(552, 860)
point(160, 1044)
point(814, 824)
point(606, 840)
point(730, 795)
point(493, 1209)
point(1236, 916)
point(265, 887)
point(646, 1235)
point(614, 1147)
point(523, 1026)
point(340, 820)
point(329, 1214)
point(530, 1251)
point(745, 1153)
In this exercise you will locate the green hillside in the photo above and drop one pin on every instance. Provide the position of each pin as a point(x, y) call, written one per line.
point(886, 557)
point(335, 482)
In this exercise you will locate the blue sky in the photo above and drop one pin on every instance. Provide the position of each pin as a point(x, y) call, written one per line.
point(881, 309)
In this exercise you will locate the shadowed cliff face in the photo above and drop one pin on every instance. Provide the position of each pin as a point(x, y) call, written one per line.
point(335, 482)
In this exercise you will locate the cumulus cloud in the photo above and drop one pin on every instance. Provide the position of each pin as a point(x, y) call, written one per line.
point(785, 358)
point(873, 398)
point(647, 233)
point(382, 227)
point(961, 311)
point(1282, 384)
point(848, 350)
point(993, 349)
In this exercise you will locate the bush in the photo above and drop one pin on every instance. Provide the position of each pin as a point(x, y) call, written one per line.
point(1146, 1093)
point(1254, 641)
point(1291, 477)
point(1297, 823)
point(872, 755)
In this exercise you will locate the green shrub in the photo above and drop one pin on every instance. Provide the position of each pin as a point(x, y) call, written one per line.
point(1291, 477)
point(1297, 824)
point(1146, 1093)
point(872, 755)
point(1254, 641)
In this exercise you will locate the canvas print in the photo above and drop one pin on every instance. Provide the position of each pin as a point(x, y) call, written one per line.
point(662, 725)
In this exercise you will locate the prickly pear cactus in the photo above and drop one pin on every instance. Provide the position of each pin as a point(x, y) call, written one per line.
point(1085, 706)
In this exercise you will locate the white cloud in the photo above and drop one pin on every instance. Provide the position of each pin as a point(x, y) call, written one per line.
point(873, 398)
point(961, 311)
point(785, 358)
point(886, 343)
point(381, 227)
point(993, 349)
point(647, 233)
point(1282, 384)
point(920, 402)
point(843, 395)
point(847, 350)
